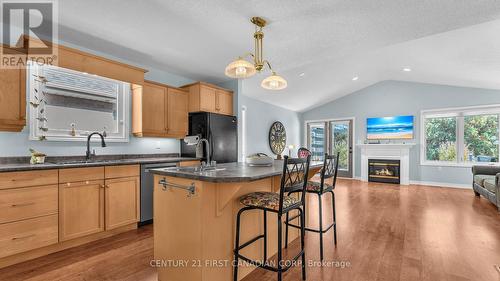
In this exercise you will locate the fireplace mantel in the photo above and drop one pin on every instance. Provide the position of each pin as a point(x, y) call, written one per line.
point(399, 151)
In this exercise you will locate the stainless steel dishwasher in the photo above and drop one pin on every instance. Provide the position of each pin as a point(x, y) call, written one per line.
point(147, 185)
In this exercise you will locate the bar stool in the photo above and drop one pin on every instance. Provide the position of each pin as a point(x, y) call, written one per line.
point(293, 179)
point(329, 170)
point(303, 152)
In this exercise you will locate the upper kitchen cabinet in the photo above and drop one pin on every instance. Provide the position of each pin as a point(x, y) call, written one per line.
point(12, 99)
point(209, 98)
point(92, 64)
point(159, 111)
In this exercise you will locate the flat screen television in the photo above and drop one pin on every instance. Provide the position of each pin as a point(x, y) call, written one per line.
point(388, 128)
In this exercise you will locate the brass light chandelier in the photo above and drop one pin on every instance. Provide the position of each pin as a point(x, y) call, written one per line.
point(241, 68)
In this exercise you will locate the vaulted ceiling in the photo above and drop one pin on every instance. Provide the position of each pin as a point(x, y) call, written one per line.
point(452, 42)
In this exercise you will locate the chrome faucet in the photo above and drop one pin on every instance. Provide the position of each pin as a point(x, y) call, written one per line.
point(207, 144)
point(196, 140)
point(103, 144)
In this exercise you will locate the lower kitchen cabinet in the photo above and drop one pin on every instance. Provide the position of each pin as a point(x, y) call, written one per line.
point(25, 235)
point(122, 202)
point(81, 209)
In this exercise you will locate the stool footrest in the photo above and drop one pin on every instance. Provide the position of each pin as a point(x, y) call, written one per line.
point(250, 241)
point(310, 229)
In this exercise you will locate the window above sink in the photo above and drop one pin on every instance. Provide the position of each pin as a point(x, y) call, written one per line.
point(67, 105)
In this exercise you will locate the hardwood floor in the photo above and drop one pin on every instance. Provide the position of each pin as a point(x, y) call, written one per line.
point(385, 232)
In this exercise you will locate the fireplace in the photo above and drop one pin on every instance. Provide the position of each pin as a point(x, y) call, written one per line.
point(384, 170)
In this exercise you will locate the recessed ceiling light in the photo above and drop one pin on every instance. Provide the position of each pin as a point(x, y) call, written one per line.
point(406, 69)
point(302, 74)
point(355, 78)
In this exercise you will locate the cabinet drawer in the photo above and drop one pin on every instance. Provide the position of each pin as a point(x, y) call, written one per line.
point(81, 174)
point(121, 171)
point(21, 236)
point(25, 203)
point(27, 178)
point(189, 163)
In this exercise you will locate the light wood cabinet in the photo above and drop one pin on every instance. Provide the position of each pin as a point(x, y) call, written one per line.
point(189, 163)
point(159, 111)
point(28, 178)
point(86, 62)
point(81, 209)
point(122, 202)
point(24, 203)
point(224, 102)
point(177, 112)
point(209, 98)
point(49, 210)
point(153, 110)
point(12, 99)
point(25, 235)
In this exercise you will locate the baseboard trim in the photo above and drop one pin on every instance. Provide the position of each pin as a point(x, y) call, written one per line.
point(434, 183)
point(442, 184)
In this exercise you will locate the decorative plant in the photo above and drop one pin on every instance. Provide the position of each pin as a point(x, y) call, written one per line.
point(39, 104)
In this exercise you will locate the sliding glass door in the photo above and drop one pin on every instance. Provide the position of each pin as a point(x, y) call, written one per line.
point(332, 137)
point(341, 143)
point(317, 140)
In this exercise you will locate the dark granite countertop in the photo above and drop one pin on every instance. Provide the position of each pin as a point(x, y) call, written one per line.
point(11, 164)
point(229, 172)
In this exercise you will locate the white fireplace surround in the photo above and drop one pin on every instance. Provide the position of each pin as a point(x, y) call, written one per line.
point(400, 151)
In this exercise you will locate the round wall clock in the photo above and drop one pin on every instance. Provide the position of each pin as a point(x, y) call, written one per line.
point(277, 138)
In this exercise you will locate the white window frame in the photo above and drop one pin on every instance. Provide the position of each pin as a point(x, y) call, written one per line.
point(459, 113)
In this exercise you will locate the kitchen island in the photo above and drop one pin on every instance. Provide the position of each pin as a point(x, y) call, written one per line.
point(195, 215)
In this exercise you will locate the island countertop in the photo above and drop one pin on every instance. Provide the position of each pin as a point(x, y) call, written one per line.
point(228, 172)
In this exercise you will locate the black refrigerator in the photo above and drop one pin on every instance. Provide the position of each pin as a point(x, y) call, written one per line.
point(221, 131)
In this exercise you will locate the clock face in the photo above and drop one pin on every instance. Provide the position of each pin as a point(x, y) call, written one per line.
point(277, 137)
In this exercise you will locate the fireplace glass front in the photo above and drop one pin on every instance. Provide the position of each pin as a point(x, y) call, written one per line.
point(384, 170)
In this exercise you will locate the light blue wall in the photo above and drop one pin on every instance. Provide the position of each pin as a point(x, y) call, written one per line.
point(260, 116)
point(17, 144)
point(389, 98)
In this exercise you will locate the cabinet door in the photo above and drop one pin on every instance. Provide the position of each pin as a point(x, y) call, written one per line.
point(177, 111)
point(224, 102)
point(153, 109)
point(81, 209)
point(12, 99)
point(122, 202)
point(207, 98)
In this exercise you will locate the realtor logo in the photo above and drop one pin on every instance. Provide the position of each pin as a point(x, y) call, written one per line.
point(29, 30)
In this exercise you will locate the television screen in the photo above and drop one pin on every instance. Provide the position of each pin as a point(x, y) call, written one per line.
point(396, 127)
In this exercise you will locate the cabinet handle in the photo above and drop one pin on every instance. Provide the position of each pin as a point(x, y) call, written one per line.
point(23, 237)
point(23, 204)
point(102, 186)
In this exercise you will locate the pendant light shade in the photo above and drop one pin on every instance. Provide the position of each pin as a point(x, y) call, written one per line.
point(240, 68)
point(274, 82)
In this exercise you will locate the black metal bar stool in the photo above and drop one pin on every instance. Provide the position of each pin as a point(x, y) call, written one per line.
point(293, 179)
point(329, 170)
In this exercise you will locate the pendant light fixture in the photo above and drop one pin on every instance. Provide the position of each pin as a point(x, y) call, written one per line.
point(241, 68)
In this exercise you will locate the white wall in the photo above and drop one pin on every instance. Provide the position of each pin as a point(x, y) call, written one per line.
point(389, 98)
point(259, 118)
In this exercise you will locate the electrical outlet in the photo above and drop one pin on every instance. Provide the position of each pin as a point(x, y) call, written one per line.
point(158, 145)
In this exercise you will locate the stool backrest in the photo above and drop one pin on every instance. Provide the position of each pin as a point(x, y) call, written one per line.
point(294, 177)
point(330, 169)
point(303, 152)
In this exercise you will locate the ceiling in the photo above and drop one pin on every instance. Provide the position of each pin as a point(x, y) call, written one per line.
point(451, 42)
